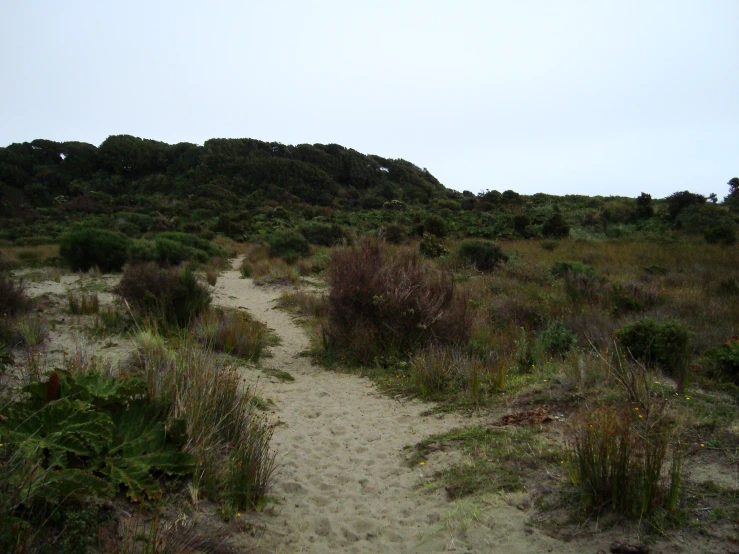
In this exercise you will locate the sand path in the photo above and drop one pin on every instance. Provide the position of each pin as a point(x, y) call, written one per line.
point(343, 482)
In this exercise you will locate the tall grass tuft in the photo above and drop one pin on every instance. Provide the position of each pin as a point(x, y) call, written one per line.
point(203, 393)
point(383, 303)
point(617, 461)
point(618, 455)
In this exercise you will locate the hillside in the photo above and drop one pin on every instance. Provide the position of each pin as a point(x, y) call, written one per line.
point(246, 188)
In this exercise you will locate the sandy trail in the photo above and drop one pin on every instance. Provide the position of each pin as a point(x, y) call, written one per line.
point(343, 482)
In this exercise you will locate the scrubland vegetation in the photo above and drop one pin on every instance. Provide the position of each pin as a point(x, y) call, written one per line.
point(598, 337)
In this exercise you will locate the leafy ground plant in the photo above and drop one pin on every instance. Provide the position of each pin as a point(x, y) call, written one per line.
point(78, 436)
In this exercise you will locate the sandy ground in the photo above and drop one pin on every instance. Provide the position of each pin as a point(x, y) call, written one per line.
point(344, 484)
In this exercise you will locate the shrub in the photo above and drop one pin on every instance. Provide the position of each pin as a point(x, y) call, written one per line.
point(324, 234)
point(85, 247)
point(560, 269)
point(720, 234)
point(484, 254)
point(435, 225)
point(431, 247)
point(192, 241)
point(13, 297)
point(556, 227)
point(171, 252)
point(287, 245)
point(383, 303)
point(652, 342)
point(581, 281)
point(557, 339)
point(727, 359)
point(142, 251)
point(393, 233)
point(169, 295)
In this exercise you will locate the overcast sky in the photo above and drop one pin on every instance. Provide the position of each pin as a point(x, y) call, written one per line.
point(564, 97)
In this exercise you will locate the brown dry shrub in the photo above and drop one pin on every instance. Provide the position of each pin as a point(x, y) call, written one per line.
point(13, 297)
point(382, 303)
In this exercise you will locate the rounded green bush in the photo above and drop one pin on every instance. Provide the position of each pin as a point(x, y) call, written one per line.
point(484, 254)
point(557, 339)
point(288, 245)
point(171, 252)
point(324, 234)
point(86, 247)
point(720, 234)
point(556, 227)
point(652, 342)
point(435, 225)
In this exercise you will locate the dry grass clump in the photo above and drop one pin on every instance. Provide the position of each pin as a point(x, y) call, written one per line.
point(305, 303)
point(226, 435)
point(274, 271)
point(19, 256)
point(84, 304)
point(382, 304)
point(232, 332)
point(211, 275)
point(442, 371)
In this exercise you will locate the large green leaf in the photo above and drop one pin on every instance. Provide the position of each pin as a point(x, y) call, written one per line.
point(139, 447)
point(133, 473)
point(60, 427)
point(92, 387)
point(99, 435)
point(60, 485)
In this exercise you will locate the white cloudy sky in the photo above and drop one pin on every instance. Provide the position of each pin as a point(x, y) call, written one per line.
point(609, 97)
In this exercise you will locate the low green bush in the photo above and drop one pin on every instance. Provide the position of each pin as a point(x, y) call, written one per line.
point(485, 255)
point(86, 247)
point(393, 233)
point(720, 234)
point(171, 252)
point(431, 247)
point(727, 359)
point(556, 227)
point(435, 225)
point(653, 343)
point(560, 269)
point(288, 245)
point(323, 234)
point(195, 242)
point(142, 251)
point(557, 339)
